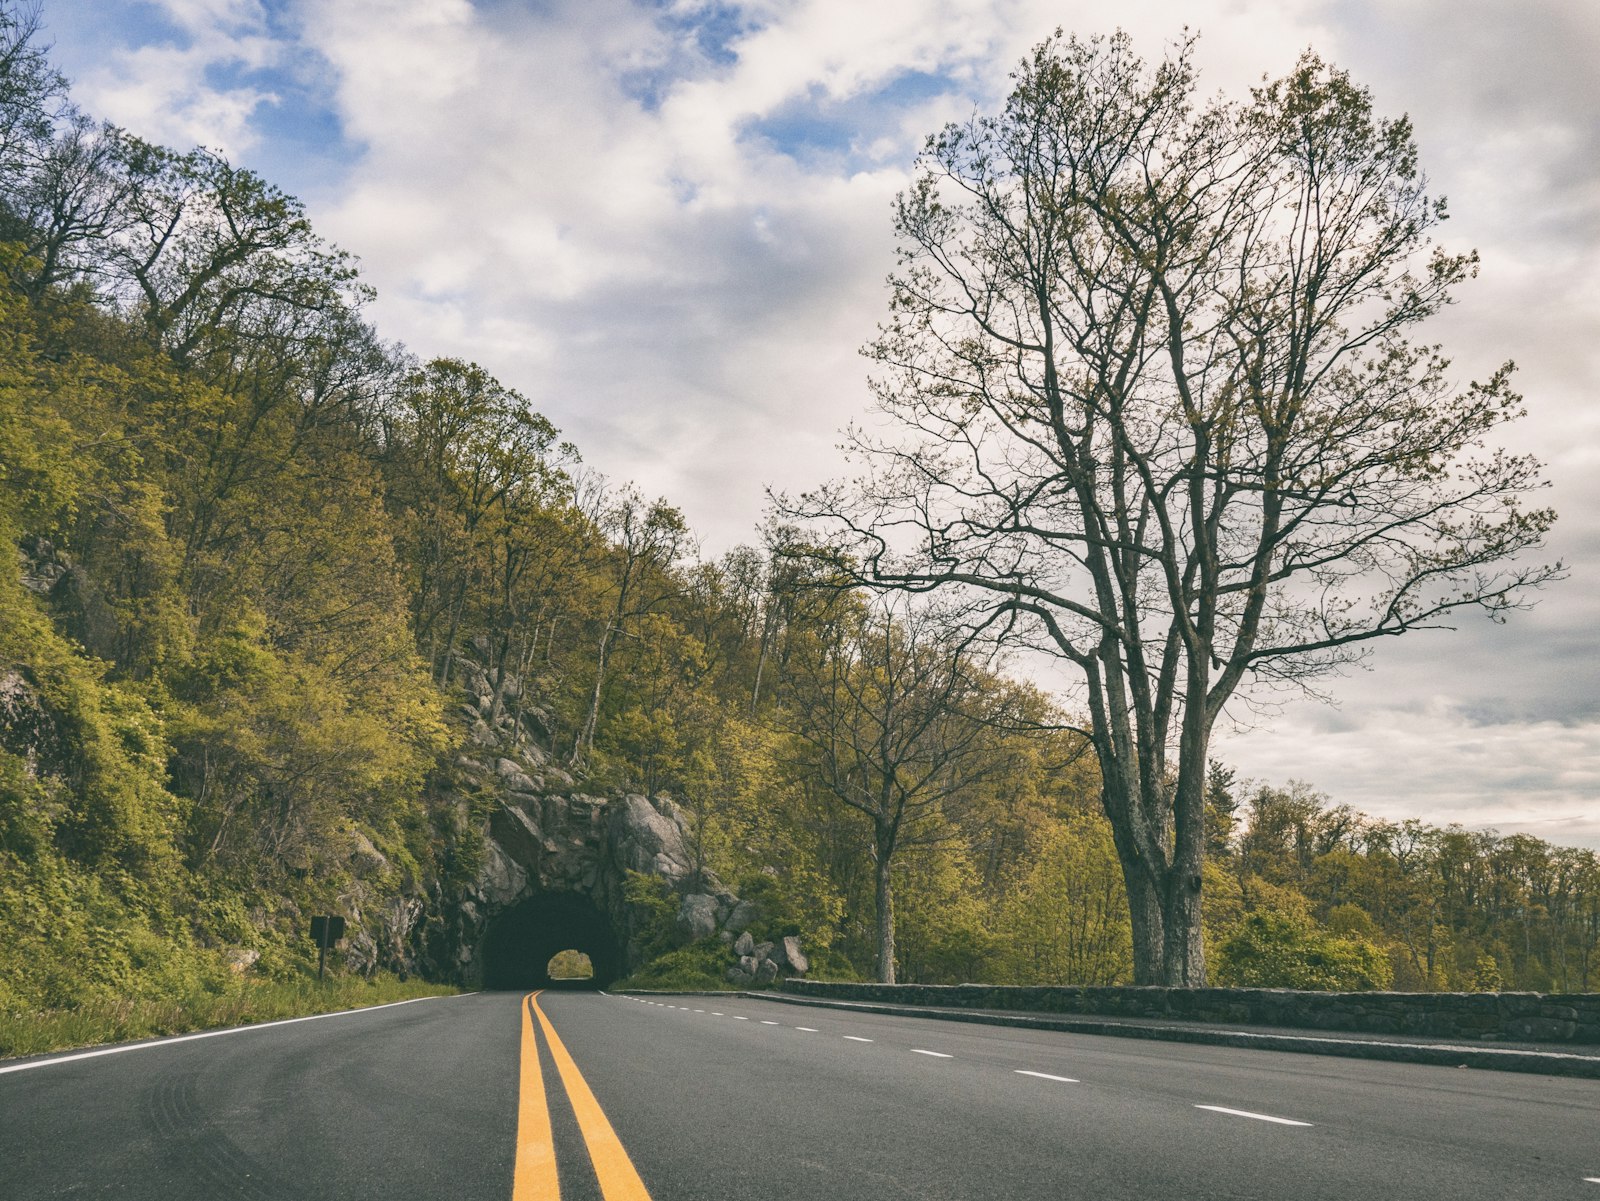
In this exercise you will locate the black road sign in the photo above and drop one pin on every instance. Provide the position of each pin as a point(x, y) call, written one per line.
point(326, 929)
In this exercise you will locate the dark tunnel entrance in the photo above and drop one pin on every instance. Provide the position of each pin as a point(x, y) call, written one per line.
point(519, 943)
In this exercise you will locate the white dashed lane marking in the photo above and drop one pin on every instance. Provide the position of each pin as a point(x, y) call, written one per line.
point(807, 1029)
point(740, 1018)
point(856, 1038)
point(1048, 1076)
point(935, 1054)
point(764, 1022)
point(1245, 1113)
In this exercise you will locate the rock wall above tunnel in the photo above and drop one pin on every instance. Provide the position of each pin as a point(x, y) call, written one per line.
point(545, 837)
point(570, 844)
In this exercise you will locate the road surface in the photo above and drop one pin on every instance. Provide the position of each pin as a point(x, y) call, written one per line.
point(592, 1097)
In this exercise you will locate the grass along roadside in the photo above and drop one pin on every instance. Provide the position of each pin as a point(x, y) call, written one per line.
point(99, 1021)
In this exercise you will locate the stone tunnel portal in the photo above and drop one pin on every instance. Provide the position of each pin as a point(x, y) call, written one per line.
point(519, 943)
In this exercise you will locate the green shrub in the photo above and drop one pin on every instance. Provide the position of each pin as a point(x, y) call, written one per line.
point(699, 967)
point(1287, 950)
point(654, 908)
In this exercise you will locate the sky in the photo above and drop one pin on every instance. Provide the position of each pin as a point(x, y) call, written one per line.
point(666, 222)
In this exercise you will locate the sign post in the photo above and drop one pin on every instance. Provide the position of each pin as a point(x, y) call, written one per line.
point(326, 929)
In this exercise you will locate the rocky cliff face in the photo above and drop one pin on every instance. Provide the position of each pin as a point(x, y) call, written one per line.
point(546, 839)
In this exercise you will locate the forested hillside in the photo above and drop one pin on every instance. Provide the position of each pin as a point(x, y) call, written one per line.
point(251, 543)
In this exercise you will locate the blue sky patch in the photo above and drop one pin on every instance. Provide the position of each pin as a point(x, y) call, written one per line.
point(701, 39)
point(300, 144)
point(815, 129)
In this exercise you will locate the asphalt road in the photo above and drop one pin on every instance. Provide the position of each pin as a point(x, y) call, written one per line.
point(689, 1098)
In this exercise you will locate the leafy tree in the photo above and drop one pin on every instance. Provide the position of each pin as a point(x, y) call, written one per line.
point(647, 541)
point(1279, 949)
point(1069, 922)
point(891, 712)
point(1153, 397)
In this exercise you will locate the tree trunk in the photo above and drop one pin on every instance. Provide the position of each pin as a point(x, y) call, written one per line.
point(450, 638)
point(761, 663)
point(885, 897)
point(1183, 945)
point(585, 743)
point(1148, 924)
point(1184, 949)
point(1144, 900)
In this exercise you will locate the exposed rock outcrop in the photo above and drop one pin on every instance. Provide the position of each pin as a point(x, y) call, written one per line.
point(548, 837)
point(762, 963)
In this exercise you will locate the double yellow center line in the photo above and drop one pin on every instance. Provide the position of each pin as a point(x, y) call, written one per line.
point(535, 1177)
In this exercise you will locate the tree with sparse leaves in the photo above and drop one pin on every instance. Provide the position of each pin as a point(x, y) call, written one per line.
point(1155, 399)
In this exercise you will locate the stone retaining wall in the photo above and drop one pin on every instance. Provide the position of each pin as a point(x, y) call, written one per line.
point(1510, 1016)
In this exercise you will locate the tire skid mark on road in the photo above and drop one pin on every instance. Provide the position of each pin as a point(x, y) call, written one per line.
point(192, 1147)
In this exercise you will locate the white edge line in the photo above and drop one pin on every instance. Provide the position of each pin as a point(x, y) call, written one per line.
point(189, 1038)
point(1048, 1076)
point(1245, 1113)
point(856, 1038)
point(935, 1054)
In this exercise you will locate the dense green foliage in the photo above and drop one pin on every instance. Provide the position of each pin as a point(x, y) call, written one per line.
point(250, 546)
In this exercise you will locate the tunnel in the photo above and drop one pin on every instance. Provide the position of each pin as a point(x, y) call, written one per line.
point(520, 942)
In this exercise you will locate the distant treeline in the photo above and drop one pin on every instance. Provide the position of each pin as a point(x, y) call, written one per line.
point(254, 543)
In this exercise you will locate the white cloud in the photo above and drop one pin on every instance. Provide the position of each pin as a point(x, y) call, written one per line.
point(1433, 762)
point(570, 193)
point(163, 92)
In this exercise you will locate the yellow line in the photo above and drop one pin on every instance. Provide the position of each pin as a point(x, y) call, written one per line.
point(612, 1167)
point(535, 1176)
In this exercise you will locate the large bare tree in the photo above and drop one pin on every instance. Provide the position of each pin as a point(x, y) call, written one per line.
point(1156, 401)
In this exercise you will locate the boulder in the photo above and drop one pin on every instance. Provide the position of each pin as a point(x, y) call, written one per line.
point(763, 950)
point(365, 858)
point(767, 972)
point(646, 840)
point(697, 915)
point(744, 944)
point(741, 916)
point(501, 880)
point(794, 956)
point(739, 976)
point(239, 959)
point(361, 954)
point(749, 964)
